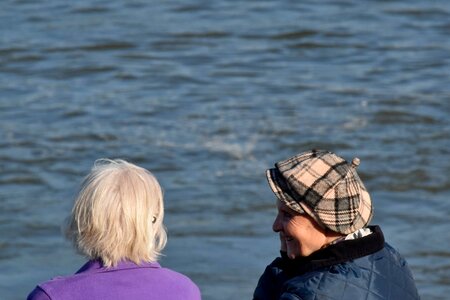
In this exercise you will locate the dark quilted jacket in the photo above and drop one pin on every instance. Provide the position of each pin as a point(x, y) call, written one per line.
point(365, 268)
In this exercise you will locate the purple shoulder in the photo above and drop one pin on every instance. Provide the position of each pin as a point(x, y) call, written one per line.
point(38, 294)
point(185, 285)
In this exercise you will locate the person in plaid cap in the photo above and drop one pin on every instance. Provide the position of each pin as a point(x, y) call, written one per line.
point(328, 250)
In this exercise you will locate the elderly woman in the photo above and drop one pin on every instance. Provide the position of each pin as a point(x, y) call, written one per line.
point(117, 223)
point(328, 251)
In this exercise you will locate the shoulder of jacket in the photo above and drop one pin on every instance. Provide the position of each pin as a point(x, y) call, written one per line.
point(308, 285)
point(290, 296)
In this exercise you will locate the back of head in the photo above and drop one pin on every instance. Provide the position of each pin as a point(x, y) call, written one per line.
point(118, 214)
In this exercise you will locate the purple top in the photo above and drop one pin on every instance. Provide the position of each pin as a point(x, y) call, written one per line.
point(125, 281)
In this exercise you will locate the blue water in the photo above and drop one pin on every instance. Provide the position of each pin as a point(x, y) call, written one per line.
point(207, 95)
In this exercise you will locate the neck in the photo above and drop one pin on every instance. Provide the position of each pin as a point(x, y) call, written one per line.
point(332, 237)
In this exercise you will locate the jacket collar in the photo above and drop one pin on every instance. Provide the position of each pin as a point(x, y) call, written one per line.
point(96, 266)
point(337, 253)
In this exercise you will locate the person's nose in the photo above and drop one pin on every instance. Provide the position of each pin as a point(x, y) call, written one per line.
point(277, 224)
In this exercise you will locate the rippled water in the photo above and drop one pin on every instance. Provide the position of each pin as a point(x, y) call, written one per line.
point(207, 95)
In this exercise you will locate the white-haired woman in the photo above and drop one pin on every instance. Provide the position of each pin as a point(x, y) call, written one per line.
point(117, 223)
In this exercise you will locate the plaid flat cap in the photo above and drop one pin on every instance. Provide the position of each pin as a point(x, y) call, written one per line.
point(326, 187)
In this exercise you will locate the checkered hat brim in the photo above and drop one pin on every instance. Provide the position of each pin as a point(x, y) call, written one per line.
point(328, 185)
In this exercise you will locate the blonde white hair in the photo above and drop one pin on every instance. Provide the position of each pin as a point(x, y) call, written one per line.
point(118, 214)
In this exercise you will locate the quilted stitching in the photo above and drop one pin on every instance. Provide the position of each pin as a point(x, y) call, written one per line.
point(377, 277)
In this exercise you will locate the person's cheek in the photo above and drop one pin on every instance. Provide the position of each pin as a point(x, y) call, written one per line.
point(283, 246)
point(292, 244)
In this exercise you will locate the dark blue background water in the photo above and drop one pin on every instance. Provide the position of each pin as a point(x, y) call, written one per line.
point(207, 95)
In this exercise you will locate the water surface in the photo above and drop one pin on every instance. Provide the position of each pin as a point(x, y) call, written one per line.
point(208, 95)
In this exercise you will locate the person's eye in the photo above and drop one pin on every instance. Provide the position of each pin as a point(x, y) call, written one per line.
point(286, 214)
